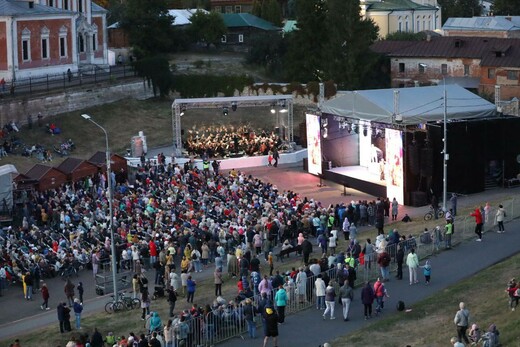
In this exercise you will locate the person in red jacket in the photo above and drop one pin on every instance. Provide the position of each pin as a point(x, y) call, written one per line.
point(45, 297)
point(478, 221)
point(153, 252)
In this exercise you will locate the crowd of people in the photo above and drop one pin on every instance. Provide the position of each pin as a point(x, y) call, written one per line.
point(224, 140)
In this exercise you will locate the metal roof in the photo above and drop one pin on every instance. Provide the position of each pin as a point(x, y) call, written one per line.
point(238, 20)
point(398, 5)
point(21, 8)
point(498, 23)
point(496, 52)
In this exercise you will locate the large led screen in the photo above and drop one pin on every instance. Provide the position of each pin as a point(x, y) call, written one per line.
point(313, 144)
point(394, 165)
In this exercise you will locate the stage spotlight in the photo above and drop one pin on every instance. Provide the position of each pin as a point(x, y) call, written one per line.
point(234, 106)
point(365, 130)
point(225, 111)
point(284, 110)
point(183, 110)
point(273, 111)
point(374, 132)
point(382, 133)
point(355, 128)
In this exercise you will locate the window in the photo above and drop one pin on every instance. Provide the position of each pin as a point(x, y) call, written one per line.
point(94, 37)
point(50, 3)
point(81, 43)
point(26, 44)
point(400, 26)
point(80, 6)
point(65, 4)
point(422, 68)
point(238, 9)
point(406, 26)
point(218, 9)
point(45, 43)
point(63, 41)
point(491, 73)
point(418, 26)
point(423, 25)
point(512, 75)
point(26, 56)
point(241, 38)
point(444, 69)
point(466, 70)
point(429, 25)
point(229, 9)
point(223, 39)
point(401, 67)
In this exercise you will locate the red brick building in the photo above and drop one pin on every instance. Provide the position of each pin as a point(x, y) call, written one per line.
point(477, 63)
point(48, 37)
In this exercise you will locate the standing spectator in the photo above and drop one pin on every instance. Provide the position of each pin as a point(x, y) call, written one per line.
point(301, 285)
point(172, 299)
point(330, 300)
point(145, 302)
point(346, 293)
point(435, 206)
point(461, 320)
point(29, 282)
point(499, 218)
point(97, 339)
point(95, 262)
point(218, 281)
point(61, 316)
point(395, 209)
point(80, 292)
point(368, 252)
point(487, 211)
point(265, 286)
point(250, 312)
point(169, 334)
point(306, 250)
point(270, 261)
point(412, 261)
point(383, 260)
point(69, 291)
point(399, 259)
point(190, 285)
point(478, 223)
point(45, 297)
point(319, 284)
point(280, 300)
point(2, 84)
point(455, 342)
point(182, 330)
point(453, 201)
point(78, 308)
point(367, 298)
point(271, 326)
point(513, 291)
point(69, 75)
point(448, 232)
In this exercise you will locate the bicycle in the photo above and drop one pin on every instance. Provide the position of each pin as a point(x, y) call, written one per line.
point(431, 214)
point(122, 303)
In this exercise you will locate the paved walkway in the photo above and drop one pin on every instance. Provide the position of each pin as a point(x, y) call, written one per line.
point(19, 316)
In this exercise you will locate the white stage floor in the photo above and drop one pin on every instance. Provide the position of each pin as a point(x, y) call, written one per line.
point(359, 172)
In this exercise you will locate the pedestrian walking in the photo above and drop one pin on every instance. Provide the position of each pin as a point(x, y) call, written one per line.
point(145, 303)
point(412, 261)
point(478, 223)
point(346, 294)
point(448, 232)
point(380, 293)
point(461, 321)
point(276, 156)
point(330, 300)
point(78, 308)
point(271, 326)
point(399, 259)
point(453, 201)
point(45, 297)
point(218, 281)
point(172, 299)
point(69, 291)
point(513, 291)
point(383, 260)
point(80, 292)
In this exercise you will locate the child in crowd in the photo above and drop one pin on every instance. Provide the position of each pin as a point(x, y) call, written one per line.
point(427, 271)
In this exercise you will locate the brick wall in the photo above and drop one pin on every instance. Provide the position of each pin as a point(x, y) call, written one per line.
point(3, 46)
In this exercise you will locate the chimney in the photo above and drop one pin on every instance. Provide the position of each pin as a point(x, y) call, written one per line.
point(428, 38)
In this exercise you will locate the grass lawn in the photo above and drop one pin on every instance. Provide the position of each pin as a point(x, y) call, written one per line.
point(430, 323)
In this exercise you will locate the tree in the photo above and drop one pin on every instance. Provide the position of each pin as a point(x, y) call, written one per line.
point(405, 36)
point(349, 59)
point(304, 60)
point(149, 27)
point(156, 70)
point(459, 8)
point(267, 50)
point(506, 8)
point(207, 28)
point(272, 12)
point(257, 8)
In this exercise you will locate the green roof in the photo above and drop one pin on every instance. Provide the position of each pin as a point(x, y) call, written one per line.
point(398, 5)
point(237, 20)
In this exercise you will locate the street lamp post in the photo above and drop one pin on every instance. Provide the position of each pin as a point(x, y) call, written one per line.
point(110, 208)
point(445, 155)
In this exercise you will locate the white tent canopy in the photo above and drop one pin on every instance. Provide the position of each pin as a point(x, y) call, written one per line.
point(415, 105)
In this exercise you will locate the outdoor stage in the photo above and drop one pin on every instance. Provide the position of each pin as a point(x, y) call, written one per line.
point(359, 178)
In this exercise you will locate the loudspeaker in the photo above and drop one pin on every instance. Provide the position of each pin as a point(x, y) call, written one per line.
point(413, 159)
point(418, 199)
point(426, 162)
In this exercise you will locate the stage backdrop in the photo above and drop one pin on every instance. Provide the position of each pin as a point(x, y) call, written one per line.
point(314, 143)
point(394, 165)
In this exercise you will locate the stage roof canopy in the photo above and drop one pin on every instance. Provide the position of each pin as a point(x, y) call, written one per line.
point(415, 105)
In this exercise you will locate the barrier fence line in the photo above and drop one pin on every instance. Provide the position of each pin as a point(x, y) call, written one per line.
point(226, 323)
